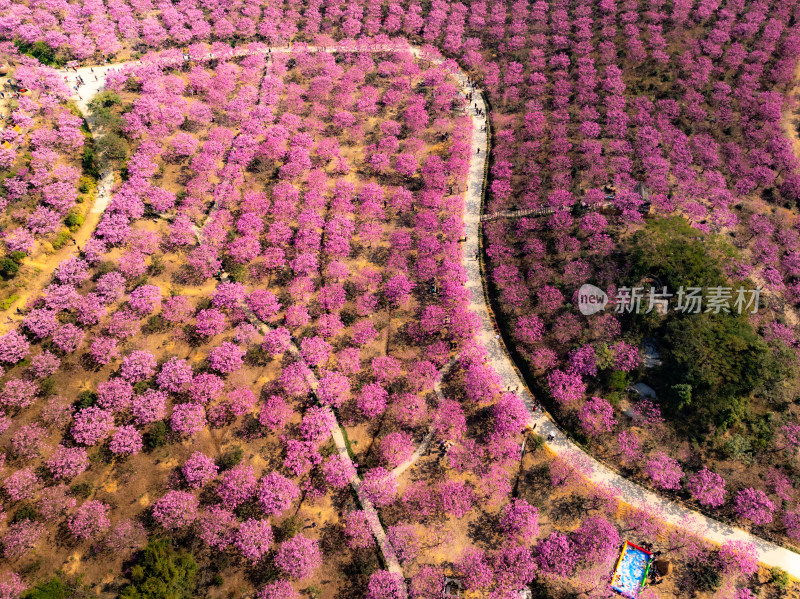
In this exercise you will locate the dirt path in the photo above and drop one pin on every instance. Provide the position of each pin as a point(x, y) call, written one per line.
point(423, 446)
point(44, 265)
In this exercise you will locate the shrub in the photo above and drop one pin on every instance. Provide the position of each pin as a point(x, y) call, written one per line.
point(112, 148)
point(26, 512)
point(157, 435)
point(81, 489)
point(706, 577)
point(61, 239)
point(55, 588)
point(779, 578)
point(74, 220)
point(8, 268)
point(230, 458)
point(6, 303)
point(162, 573)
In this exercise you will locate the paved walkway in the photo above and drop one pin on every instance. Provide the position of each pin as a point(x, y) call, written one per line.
point(389, 555)
point(770, 554)
point(628, 491)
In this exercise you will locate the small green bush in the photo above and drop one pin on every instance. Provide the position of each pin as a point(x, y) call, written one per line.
point(779, 578)
point(81, 489)
point(290, 527)
point(74, 220)
point(156, 265)
point(47, 387)
point(86, 398)
point(706, 577)
point(162, 573)
point(230, 458)
point(142, 386)
point(618, 380)
point(157, 435)
point(61, 239)
point(26, 512)
point(314, 592)
point(89, 163)
point(8, 268)
point(535, 441)
point(155, 324)
point(54, 588)
point(6, 303)
point(104, 268)
point(112, 148)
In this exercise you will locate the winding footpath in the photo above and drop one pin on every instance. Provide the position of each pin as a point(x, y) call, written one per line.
point(770, 554)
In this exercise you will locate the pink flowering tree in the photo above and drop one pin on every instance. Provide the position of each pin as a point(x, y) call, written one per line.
point(380, 486)
point(176, 509)
point(67, 462)
point(253, 539)
point(175, 375)
point(596, 417)
point(237, 485)
point(664, 471)
point(279, 589)
point(226, 358)
point(556, 555)
point(520, 520)
point(386, 585)
point(707, 487)
point(276, 493)
point(18, 393)
point(298, 557)
point(356, 530)
point(126, 441)
point(337, 471)
point(21, 537)
point(22, 484)
point(188, 419)
point(738, 558)
point(138, 366)
point(199, 470)
point(754, 506)
point(372, 400)
point(90, 520)
point(92, 425)
point(630, 446)
point(13, 347)
point(566, 388)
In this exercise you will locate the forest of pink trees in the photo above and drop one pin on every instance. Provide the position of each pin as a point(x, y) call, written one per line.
point(281, 259)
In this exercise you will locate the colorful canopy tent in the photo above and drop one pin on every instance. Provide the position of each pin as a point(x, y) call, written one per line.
point(632, 569)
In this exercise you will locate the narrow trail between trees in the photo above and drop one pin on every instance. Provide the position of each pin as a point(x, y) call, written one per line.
point(770, 554)
point(426, 441)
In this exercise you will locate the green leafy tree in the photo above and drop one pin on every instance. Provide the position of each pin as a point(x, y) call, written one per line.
point(51, 589)
point(105, 109)
point(713, 362)
point(112, 148)
point(722, 361)
point(162, 573)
